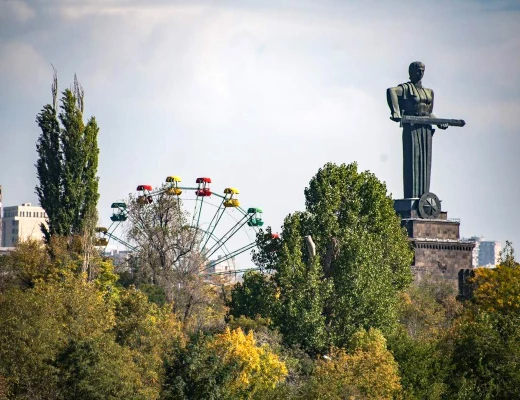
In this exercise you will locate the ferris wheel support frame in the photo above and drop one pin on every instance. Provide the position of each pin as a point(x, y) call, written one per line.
point(220, 209)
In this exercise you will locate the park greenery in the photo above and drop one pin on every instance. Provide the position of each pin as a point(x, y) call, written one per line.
point(330, 312)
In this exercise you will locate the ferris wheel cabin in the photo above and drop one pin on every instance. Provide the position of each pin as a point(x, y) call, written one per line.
point(203, 187)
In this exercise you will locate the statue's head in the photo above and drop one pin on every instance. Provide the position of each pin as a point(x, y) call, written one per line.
point(416, 71)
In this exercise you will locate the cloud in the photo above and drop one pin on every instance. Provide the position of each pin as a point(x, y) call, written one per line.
point(261, 94)
point(71, 10)
point(16, 10)
point(22, 67)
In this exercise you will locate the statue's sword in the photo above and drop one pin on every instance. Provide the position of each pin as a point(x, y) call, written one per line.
point(415, 120)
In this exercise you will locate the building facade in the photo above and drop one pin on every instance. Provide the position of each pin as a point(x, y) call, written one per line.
point(439, 252)
point(20, 223)
point(119, 257)
point(224, 269)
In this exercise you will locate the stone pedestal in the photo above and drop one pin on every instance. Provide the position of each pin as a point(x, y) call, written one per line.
point(439, 252)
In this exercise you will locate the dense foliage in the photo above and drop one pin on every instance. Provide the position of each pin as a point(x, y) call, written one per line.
point(332, 313)
point(66, 337)
point(67, 164)
point(368, 370)
point(229, 365)
point(486, 338)
point(67, 168)
point(354, 274)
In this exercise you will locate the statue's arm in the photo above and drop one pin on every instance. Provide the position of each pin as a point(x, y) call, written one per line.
point(441, 126)
point(392, 97)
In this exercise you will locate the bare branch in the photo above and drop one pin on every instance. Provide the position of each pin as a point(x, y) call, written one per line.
point(79, 93)
point(54, 88)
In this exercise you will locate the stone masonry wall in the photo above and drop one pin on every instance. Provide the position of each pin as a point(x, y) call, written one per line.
point(434, 229)
point(443, 259)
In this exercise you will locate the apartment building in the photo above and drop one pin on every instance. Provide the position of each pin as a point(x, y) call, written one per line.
point(20, 223)
point(486, 253)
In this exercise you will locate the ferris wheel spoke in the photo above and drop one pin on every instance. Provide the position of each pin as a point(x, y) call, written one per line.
point(121, 241)
point(211, 235)
point(211, 228)
point(228, 200)
point(196, 216)
point(200, 212)
point(110, 232)
point(112, 236)
point(235, 271)
point(235, 253)
point(110, 229)
point(195, 210)
point(215, 239)
point(228, 235)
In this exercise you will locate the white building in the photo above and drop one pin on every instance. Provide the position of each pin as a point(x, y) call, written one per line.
point(224, 269)
point(20, 223)
point(219, 267)
point(118, 257)
point(486, 253)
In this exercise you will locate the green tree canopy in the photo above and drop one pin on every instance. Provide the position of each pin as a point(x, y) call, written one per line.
point(63, 337)
point(228, 365)
point(486, 339)
point(353, 276)
point(67, 166)
point(427, 312)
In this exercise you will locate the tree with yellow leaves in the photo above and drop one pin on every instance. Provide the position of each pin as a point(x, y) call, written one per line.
point(367, 371)
point(229, 365)
point(260, 369)
point(486, 339)
point(498, 289)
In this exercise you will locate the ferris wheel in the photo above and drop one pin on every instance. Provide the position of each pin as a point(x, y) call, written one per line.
point(221, 230)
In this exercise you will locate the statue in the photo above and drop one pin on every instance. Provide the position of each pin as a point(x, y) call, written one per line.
point(411, 104)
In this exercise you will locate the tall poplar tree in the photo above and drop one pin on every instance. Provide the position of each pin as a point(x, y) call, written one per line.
point(67, 165)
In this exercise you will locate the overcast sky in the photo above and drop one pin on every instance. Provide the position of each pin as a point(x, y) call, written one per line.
point(260, 94)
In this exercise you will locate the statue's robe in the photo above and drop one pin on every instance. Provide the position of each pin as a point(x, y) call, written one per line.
point(417, 140)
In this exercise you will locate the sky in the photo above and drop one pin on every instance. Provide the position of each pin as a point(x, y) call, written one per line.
point(259, 95)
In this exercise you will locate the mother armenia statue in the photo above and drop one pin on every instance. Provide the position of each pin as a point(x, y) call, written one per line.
point(411, 104)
